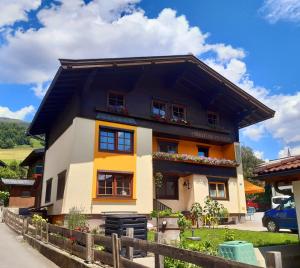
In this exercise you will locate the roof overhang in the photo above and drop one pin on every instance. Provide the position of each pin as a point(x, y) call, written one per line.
point(34, 156)
point(73, 74)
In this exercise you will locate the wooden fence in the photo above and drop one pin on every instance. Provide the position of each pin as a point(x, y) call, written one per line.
point(86, 246)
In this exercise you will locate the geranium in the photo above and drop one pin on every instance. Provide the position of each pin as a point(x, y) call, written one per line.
point(194, 159)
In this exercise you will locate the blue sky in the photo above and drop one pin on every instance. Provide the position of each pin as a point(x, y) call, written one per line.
point(253, 43)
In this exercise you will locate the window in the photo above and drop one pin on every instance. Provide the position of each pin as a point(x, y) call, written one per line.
point(178, 113)
point(212, 119)
point(61, 181)
point(113, 140)
point(218, 190)
point(48, 191)
point(203, 151)
point(169, 189)
point(25, 194)
point(39, 168)
point(168, 147)
point(116, 101)
point(114, 185)
point(159, 109)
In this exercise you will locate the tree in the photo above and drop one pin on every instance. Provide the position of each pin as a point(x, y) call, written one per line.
point(7, 173)
point(250, 161)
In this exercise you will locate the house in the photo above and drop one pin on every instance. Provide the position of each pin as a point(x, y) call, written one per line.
point(111, 125)
point(25, 193)
point(21, 192)
point(281, 173)
point(35, 164)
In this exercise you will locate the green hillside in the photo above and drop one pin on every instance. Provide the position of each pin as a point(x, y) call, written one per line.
point(14, 142)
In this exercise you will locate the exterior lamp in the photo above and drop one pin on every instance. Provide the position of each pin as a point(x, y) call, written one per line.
point(186, 184)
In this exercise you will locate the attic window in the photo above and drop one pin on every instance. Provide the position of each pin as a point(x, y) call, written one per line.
point(116, 101)
point(212, 119)
point(178, 113)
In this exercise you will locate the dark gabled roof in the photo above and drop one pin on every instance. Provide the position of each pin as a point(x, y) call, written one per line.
point(18, 182)
point(74, 74)
point(36, 154)
point(2, 164)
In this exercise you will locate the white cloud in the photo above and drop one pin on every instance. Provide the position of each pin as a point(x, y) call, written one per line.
point(16, 10)
point(95, 30)
point(259, 154)
point(40, 89)
point(254, 132)
point(285, 10)
point(293, 151)
point(19, 114)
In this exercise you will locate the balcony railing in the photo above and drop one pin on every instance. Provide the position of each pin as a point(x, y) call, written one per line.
point(194, 159)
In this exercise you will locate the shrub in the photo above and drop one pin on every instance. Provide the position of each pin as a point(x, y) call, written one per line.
point(38, 220)
point(4, 197)
point(183, 223)
point(196, 212)
point(77, 220)
point(229, 235)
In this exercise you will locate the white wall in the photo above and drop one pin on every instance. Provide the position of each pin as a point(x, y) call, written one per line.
point(296, 190)
point(72, 151)
point(78, 190)
point(199, 191)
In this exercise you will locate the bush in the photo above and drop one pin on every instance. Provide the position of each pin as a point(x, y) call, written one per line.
point(38, 219)
point(77, 220)
point(4, 198)
point(196, 212)
point(229, 235)
point(183, 223)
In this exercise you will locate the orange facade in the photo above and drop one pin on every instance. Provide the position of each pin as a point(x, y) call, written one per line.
point(191, 148)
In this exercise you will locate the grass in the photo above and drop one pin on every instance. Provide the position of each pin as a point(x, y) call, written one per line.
point(19, 153)
point(258, 239)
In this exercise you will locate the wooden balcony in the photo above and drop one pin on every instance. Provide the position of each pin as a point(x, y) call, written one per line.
point(183, 165)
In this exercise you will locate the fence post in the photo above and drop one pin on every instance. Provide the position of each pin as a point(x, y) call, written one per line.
point(25, 226)
point(159, 259)
point(47, 233)
point(41, 231)
point(273, 259)
point(129, 250)
point(115, 250)
point(89, 243)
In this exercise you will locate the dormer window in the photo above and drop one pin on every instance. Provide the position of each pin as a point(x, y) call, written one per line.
point(178, 113)
point(159, 109)
point(116, 101)
point(212, 119)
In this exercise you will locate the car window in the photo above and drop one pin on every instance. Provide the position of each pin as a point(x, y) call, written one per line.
point(289, 204)
point(278, 200)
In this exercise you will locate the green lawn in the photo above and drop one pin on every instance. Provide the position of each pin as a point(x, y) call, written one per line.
point(258, 239)
point(19, 153)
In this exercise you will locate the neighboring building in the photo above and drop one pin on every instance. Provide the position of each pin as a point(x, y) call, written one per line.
point(2, 164)
point(283, 172)
point(21, 192)
point(110, 124)
point(35, 164)
point(26, 193)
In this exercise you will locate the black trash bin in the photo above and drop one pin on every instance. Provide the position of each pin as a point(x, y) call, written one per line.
point(118, 224)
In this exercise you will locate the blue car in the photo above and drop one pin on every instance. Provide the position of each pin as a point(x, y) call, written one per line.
point(281, 217)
